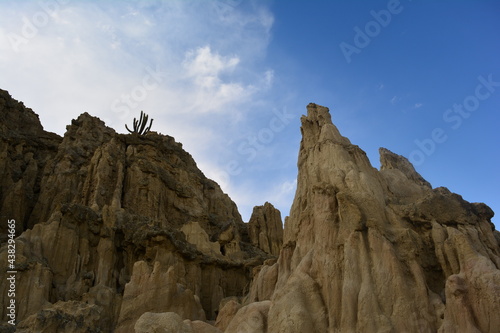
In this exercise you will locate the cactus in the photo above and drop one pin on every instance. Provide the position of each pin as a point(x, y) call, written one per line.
point(140, 125)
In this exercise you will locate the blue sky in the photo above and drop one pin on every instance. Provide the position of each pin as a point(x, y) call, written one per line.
point(231, 78)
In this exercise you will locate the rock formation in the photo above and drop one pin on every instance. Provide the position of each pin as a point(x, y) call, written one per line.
point(111, 226)
point(374, 251)
point(266, 229)
point(124, 233)
point(25, 149)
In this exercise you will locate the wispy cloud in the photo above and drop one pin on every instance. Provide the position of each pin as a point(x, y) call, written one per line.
point(395, 100)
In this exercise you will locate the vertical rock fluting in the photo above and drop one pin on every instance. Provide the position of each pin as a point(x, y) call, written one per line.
point(25, 149)
point(265, 228)
point(377, 251)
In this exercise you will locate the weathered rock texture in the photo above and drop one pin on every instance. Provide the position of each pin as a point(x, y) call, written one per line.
point(171, 322)
point(373, 251)
point(266, 229)
point(25, 149)
point(112, 226)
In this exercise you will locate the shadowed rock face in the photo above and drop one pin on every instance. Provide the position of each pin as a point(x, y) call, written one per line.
point(113, 226)
point(25, 150)
point(266, 229)
point(375, 251)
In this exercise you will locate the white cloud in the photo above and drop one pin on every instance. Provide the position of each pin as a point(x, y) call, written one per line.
point(205, 68)
point(202, 62)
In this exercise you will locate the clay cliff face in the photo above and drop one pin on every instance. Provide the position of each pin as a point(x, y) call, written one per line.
point(25, 149)
point(266, 229)
point(110, 227)
point(373, 251)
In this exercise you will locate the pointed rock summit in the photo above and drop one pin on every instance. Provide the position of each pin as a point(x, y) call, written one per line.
point(266, 229)
point(375, 251)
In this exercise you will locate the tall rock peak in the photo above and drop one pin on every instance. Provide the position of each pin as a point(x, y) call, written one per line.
point(317, 127)
point(266, 228)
